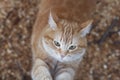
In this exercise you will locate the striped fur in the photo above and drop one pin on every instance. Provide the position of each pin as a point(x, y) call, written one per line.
point(59, 21)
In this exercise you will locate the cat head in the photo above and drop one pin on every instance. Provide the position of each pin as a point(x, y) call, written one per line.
point(64, 40)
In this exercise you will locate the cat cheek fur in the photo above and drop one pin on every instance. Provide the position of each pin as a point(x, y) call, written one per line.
point(75, 56)
point(48, 49)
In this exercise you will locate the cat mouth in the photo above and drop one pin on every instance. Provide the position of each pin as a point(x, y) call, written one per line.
point(62, 59)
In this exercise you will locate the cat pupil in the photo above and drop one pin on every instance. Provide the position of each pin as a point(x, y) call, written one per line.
point(72, 47)
point(57, 43)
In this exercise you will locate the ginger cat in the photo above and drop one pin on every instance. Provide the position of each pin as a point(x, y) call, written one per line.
point(59, 38)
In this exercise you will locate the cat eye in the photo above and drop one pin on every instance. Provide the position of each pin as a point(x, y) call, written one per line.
point(72, 47)
point(57, 43)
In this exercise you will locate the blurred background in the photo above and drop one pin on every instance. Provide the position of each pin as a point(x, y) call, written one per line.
point(101, 62)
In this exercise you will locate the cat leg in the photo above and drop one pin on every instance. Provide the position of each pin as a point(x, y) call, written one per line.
point(65, 74)
point(40, 71)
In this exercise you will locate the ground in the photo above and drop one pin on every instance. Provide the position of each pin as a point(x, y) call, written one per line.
point(101, 62)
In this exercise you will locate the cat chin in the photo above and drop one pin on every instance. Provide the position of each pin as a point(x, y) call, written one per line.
point(67, 60)
point(70, 59)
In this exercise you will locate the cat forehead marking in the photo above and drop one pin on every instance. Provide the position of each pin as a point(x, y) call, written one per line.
point(67, 31)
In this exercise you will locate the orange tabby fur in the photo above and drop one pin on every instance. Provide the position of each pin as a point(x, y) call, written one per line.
point(71, 17)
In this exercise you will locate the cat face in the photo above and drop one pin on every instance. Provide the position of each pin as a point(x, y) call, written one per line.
point(64, 41)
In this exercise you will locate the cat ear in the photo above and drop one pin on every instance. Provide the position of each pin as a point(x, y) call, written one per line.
point(86, 28)
point(51, 22)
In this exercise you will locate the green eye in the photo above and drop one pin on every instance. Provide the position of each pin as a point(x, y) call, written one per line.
point(72, 47)
point(57, 43)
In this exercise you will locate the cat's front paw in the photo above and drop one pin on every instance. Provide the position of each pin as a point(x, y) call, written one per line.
point(43, 78)
point(46, 78)
point(64, 76)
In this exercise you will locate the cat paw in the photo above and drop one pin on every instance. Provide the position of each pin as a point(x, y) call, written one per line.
point(64, 76)
point(46, 78)
point(43, 78)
